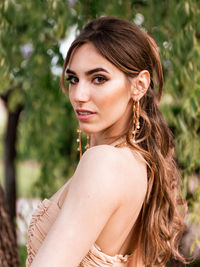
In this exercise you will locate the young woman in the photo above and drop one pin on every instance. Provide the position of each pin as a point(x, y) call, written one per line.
point(120, 206)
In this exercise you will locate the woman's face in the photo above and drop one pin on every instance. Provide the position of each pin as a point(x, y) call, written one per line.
point(99, 92)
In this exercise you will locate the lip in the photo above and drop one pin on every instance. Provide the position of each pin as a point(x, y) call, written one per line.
point(84, 117)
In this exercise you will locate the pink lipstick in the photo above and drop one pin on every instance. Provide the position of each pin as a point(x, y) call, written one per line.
point(84, 114)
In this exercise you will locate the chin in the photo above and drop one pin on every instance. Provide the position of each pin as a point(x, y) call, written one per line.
point(88, 129)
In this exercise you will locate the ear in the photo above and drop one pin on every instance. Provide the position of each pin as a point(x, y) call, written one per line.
point(140, 85)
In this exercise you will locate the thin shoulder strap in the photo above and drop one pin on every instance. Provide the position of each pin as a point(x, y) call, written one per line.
point(60, 195)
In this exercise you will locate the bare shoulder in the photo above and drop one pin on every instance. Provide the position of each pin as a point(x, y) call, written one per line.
point(115, 170)
point(102, 154)
point(104, 158)
point(124, 160)
point(100, 167)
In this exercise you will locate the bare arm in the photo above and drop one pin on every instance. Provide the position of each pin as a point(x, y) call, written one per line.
point(94, 195)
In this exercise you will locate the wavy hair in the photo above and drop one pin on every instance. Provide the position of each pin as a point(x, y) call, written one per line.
point(131, 50)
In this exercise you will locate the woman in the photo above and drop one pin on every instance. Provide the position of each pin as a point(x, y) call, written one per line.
point(120, 206)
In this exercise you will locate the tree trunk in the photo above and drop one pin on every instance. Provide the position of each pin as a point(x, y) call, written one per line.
point(8, 245)
point(10, 156)
point(10, 139)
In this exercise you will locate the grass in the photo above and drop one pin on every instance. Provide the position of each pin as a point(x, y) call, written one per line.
point(22, 255)
point(27, 174)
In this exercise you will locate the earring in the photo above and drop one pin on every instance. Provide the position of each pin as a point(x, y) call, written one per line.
point(136, 122)
point(80, 144)
point(88, 142)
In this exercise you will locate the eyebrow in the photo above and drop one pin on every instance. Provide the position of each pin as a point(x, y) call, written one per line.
point(89, 72)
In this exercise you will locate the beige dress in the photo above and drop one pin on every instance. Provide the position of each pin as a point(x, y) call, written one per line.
point(43, 218)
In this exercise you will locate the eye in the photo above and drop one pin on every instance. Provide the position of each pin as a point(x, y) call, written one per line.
point(72, 79)
point(99, 79)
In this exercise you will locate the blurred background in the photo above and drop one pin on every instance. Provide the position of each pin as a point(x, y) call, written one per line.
point(37, 126)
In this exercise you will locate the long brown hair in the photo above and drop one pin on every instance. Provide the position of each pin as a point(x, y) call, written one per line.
point(132, 50)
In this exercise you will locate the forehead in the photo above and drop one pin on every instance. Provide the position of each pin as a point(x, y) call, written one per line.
point(87, 57)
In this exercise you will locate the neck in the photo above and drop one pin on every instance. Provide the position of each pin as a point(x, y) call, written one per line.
point(109, 135)
point(116, 131)
point(95, 141)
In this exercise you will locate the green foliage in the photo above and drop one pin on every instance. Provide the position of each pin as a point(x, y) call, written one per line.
point(177, 31)
point(29, 43)
point(183, 82)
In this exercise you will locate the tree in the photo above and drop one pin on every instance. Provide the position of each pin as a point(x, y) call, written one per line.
point(10, 152)
point(176, 29)
point(8, 246)
point(29, 43)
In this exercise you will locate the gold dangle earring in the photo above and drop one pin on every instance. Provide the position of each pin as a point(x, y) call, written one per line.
point(80, 143)
point(136, 123)
point(88, 142)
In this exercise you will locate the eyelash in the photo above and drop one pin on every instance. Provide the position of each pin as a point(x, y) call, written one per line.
point(70, 78)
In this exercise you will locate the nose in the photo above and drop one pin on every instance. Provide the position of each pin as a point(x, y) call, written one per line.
point(81, 93)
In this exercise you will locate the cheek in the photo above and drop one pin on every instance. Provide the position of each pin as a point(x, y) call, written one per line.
point(71, 97)
point(114, 100)
point(113, 105)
